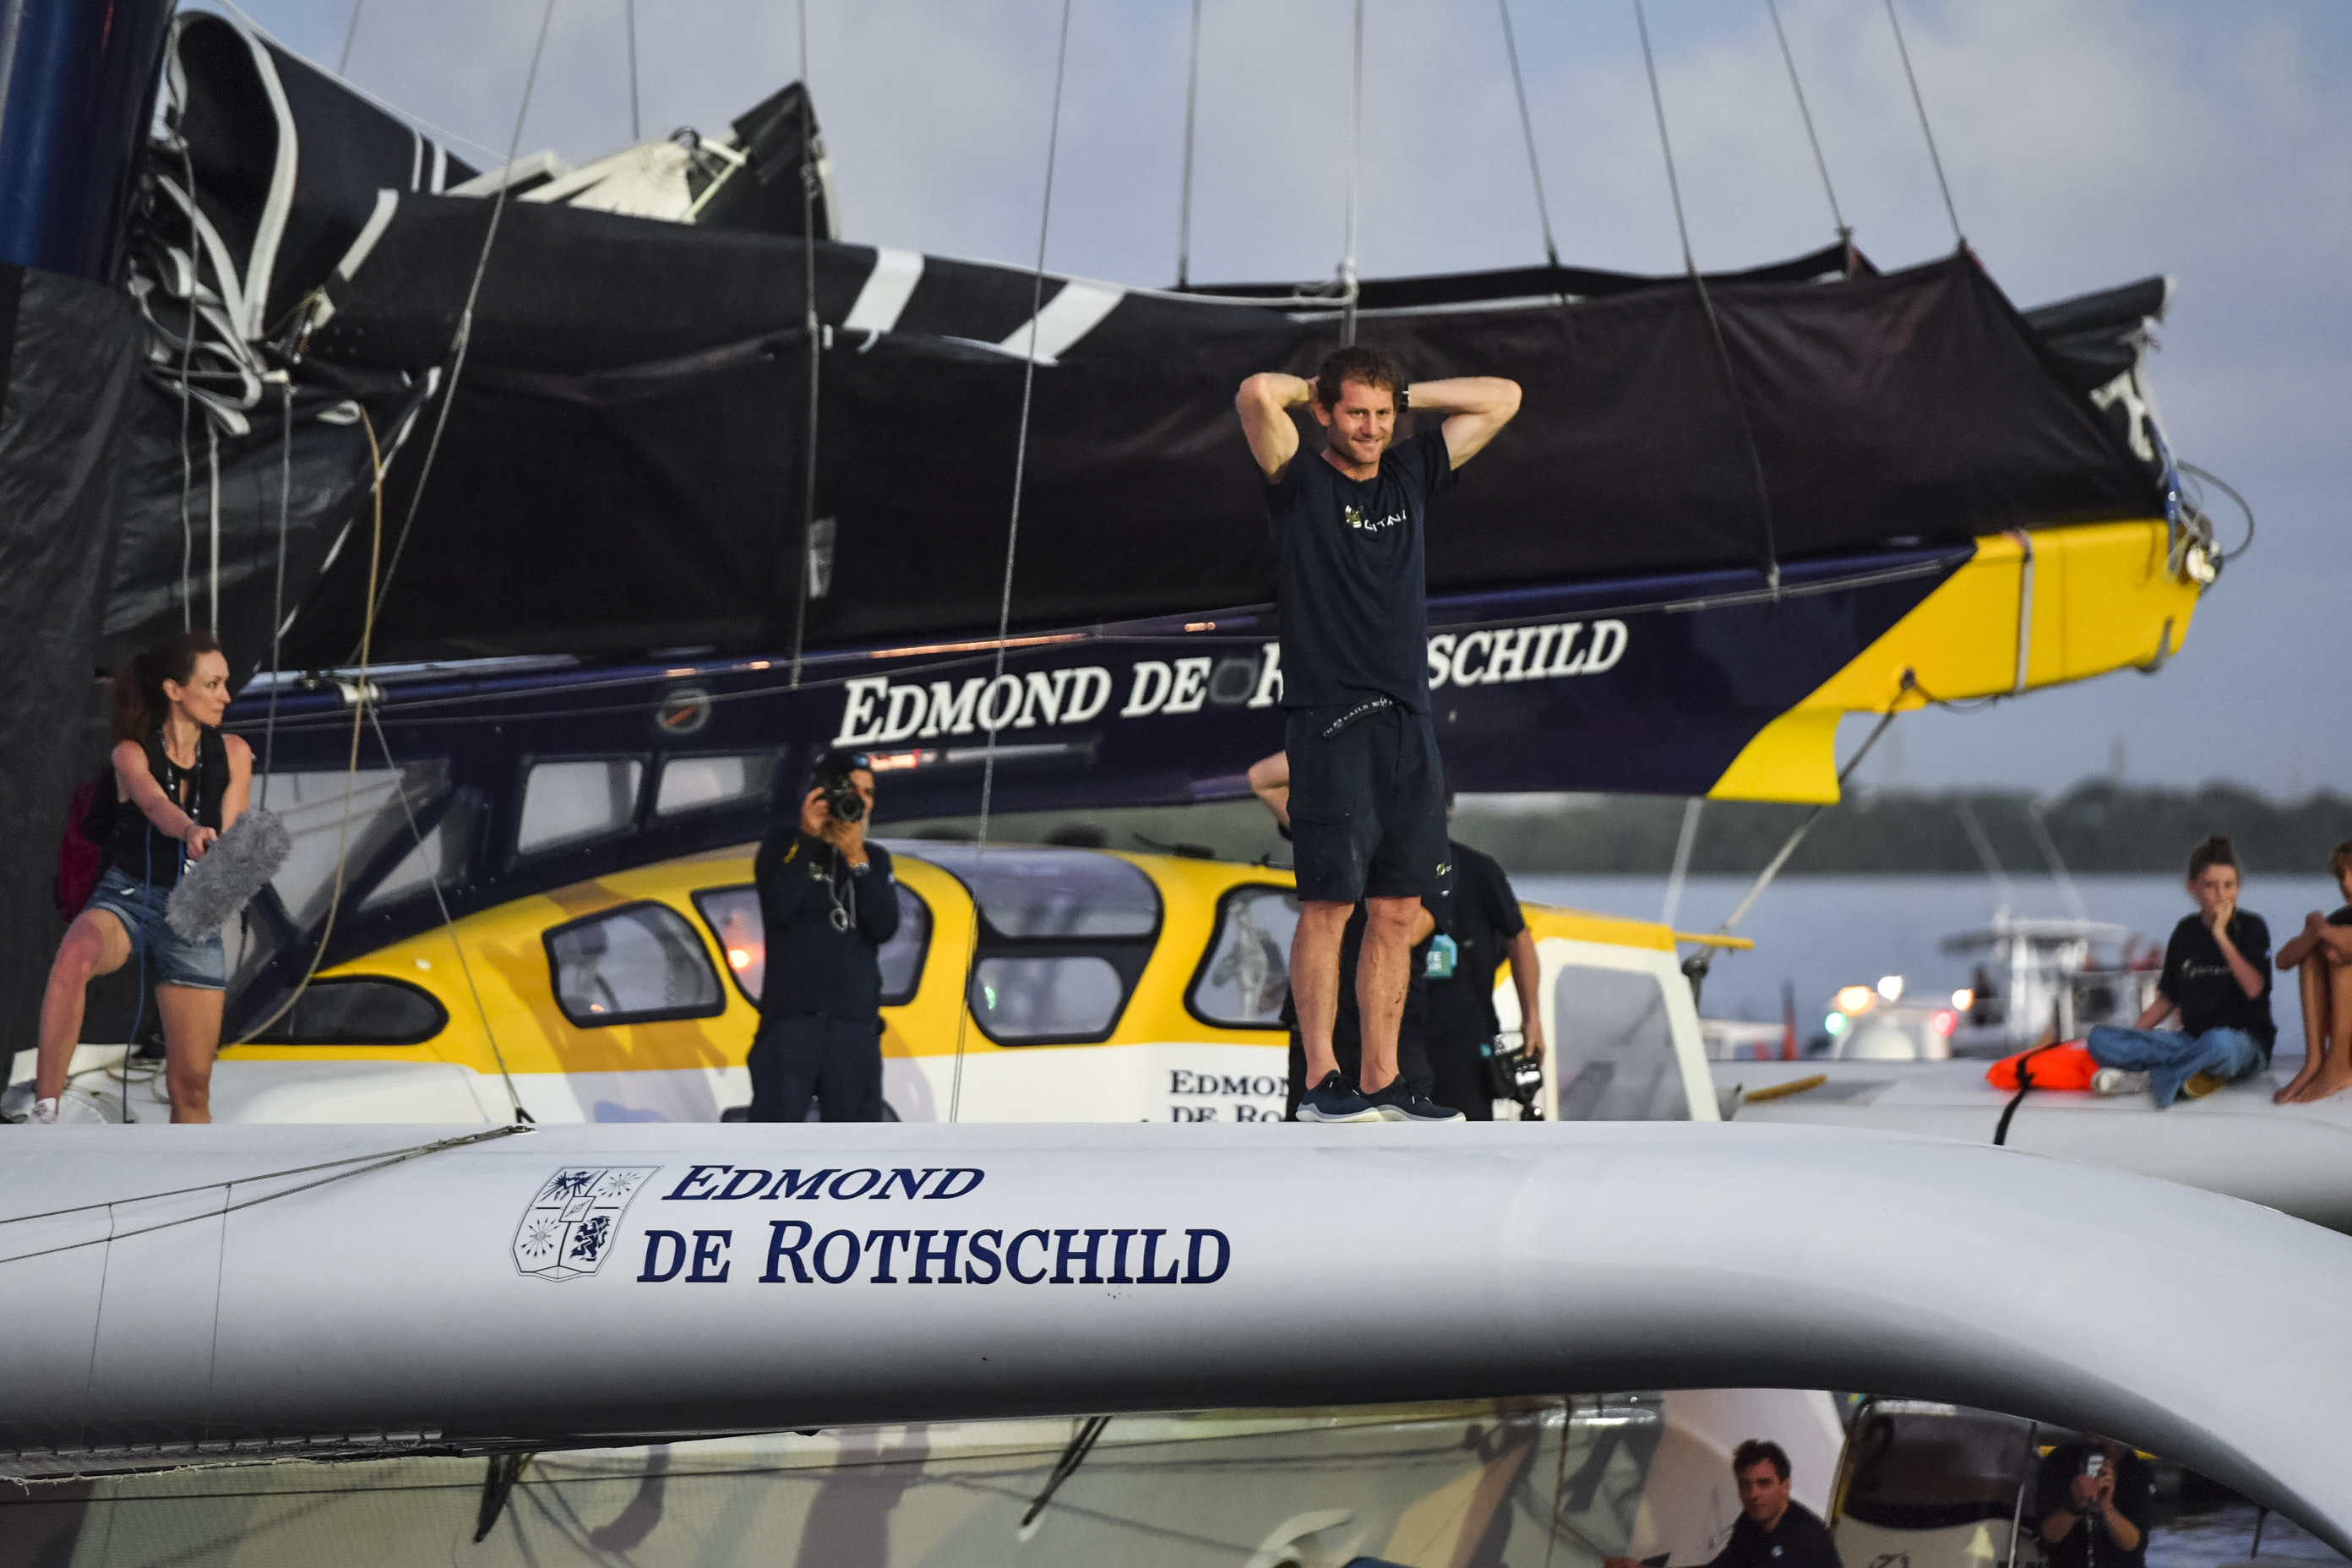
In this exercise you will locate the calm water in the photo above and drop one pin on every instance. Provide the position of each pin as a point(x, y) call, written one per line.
point(1822, 933)
point(2226, 1534)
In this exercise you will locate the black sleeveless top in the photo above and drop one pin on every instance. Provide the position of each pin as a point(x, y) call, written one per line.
point(143, 852)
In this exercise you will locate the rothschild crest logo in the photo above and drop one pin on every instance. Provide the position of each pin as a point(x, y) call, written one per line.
point(572, 1223)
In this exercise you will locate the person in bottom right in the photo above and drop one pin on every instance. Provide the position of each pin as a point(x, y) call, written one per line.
point(2217, 977)
point(1772, 1531)
point(2095, 1499)
point(2321, 959)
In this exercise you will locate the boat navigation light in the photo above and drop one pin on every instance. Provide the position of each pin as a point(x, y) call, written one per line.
point(1891, 987)
point(1854, 999)
point(1944, 1022)
point(1834, 1024)
point(737, 958)
point(1963, 999)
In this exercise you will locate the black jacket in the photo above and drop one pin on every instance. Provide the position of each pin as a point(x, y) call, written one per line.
point(817, 967)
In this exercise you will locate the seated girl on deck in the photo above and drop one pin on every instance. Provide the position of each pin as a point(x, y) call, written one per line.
point(2216, 976)
point(2322, 957)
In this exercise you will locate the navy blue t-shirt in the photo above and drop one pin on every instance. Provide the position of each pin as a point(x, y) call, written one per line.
point(1355, 601)
point(2198, 978)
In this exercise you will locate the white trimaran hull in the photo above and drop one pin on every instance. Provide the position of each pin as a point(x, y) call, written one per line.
point(442, 1300)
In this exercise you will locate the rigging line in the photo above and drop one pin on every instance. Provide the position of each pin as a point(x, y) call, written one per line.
point(1764, 879)
point(277, 594)
point(1527, 128)
point(187, 372)
point(810, 325)
point(463, 338)
point(1845, 230)
point(212, 465)
point(398, 1157)
point(342, 61)
point(433, 877)
point(1012, 549)
point(359, 710)
point(1184, 206)
point(1355, 159)
point(1714, 324)
point(1926, 129)
point(629, 8)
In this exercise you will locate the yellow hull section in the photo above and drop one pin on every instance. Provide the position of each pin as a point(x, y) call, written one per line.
point(2044, 608)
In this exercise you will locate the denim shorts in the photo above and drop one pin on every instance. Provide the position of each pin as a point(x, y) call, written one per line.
point(171, 958)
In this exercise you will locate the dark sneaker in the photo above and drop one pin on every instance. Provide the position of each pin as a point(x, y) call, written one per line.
point(1398, 1102)
point(1333, 1101)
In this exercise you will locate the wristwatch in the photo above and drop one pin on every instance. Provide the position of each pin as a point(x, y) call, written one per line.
point(1404, 398)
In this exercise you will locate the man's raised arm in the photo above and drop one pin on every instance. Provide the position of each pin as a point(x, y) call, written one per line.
point(1264, 403)
point(1477, 407)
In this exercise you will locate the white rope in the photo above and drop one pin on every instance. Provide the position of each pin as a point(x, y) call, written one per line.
point(1527, 130)
point(1926, 129)
point(1011, 553)
point(459, 343)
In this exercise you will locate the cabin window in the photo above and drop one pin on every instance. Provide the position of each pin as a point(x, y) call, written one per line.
point(632, 965)
point(1614, 1059)
point(696, 783)
point(563, 803)
point(368, 1011)
point(1245, 977)
point(1918, 1465)
point(1065, 935)
point(1053, 894)
point(1037, 1000)
point(733, 916)
point(352, 815)
point(440, 857)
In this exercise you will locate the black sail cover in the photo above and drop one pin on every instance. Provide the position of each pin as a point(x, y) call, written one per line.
point(622, 467)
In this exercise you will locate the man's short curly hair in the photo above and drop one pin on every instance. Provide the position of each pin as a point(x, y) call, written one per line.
point(1755, 1452)
point(1369, 367)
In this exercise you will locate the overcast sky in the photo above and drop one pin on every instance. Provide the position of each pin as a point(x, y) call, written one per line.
point(2088, 142)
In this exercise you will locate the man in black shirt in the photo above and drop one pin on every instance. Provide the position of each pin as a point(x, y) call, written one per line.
point(1772, 1530)
point(2217, 977)
point(828, 902)
point(1365, 814)
point(2095, 1501)
point(1486, 931)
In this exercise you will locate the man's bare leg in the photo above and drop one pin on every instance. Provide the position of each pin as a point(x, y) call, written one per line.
point(2311, 978)
point(1315, 981)
point(1381, 977)
point(2335, 1075)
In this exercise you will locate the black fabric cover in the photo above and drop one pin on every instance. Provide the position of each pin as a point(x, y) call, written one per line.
point(345, 148)
point(622, 465)
point(72, 365)
point(765, 196)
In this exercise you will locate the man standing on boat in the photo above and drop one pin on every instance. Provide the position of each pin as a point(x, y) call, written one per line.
point(1366, 817)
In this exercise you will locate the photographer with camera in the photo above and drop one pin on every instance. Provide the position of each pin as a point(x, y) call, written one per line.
point(827, 903)
point(1473, 1064)
point(2096, 1499)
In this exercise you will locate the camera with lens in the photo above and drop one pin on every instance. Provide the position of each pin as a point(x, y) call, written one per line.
point(842, 801)
point(837, 783)
point(1514, 1072)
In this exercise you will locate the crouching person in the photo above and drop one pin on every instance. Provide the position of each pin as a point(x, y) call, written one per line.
point(2217, 977)
point(2321, 959)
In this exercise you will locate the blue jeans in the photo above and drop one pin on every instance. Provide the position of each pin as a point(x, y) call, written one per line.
point(2171, 1059)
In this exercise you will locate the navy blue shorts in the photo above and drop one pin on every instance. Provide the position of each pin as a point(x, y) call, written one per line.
point(835, 1062)
point(1367, 802)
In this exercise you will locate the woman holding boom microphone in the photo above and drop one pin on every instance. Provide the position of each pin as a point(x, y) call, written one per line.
point(181, 783)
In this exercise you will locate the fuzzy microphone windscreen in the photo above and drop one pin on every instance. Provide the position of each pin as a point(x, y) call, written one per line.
point(238, 865)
